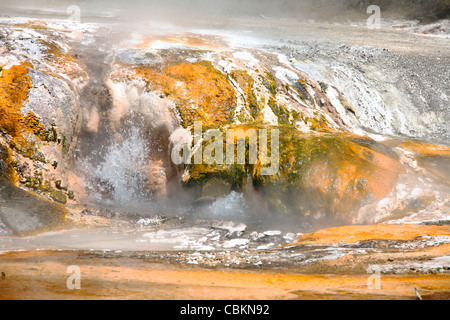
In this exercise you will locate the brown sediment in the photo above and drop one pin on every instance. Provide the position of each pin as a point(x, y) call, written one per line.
point(354, 234)
point(352, 263)
point(36, 25)
point(43, 275)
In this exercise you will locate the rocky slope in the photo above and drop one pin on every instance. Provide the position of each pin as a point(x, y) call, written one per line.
point(343, 152)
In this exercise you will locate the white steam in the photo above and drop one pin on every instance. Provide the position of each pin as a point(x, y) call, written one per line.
point(121, 173)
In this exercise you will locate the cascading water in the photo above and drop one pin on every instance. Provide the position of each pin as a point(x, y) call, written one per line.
point(119, 175)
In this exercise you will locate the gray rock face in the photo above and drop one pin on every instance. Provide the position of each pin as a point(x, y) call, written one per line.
point(55, 103)
point(57, 106)
point(391, 93)
point(23, 213)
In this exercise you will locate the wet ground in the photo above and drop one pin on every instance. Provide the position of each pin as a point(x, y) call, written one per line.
point(224, 260)
point(43, 275)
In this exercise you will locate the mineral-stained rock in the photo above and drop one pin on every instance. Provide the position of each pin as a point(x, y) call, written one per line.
point(318, 175)
point(39, 126)
point(324, 171)
point(58, 196)
point(328, 175)
point(7, 171)
point(326, 167)
point(39, 104)
point(201, 92)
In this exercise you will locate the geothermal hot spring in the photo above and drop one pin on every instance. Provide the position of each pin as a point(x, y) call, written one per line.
point(93, 110)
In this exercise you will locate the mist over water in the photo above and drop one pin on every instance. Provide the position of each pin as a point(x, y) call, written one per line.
point(120, 172)
point(191, 10)
point(231, 207)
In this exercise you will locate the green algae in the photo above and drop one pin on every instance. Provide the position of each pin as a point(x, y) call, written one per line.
point(269, 82)
point(58, 196)
point(320, 174)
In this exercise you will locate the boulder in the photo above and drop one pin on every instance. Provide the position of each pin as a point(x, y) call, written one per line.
point(39, 102)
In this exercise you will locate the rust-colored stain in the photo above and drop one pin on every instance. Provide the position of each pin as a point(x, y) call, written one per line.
point(42, 275)
point(353, 174)
point(423, 149)
point(354, 234)
point(24, 130)
point(199, 91)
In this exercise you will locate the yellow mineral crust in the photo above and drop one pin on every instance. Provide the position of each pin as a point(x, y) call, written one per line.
point(14, 86)
point(199, 91)
point(354, 234)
